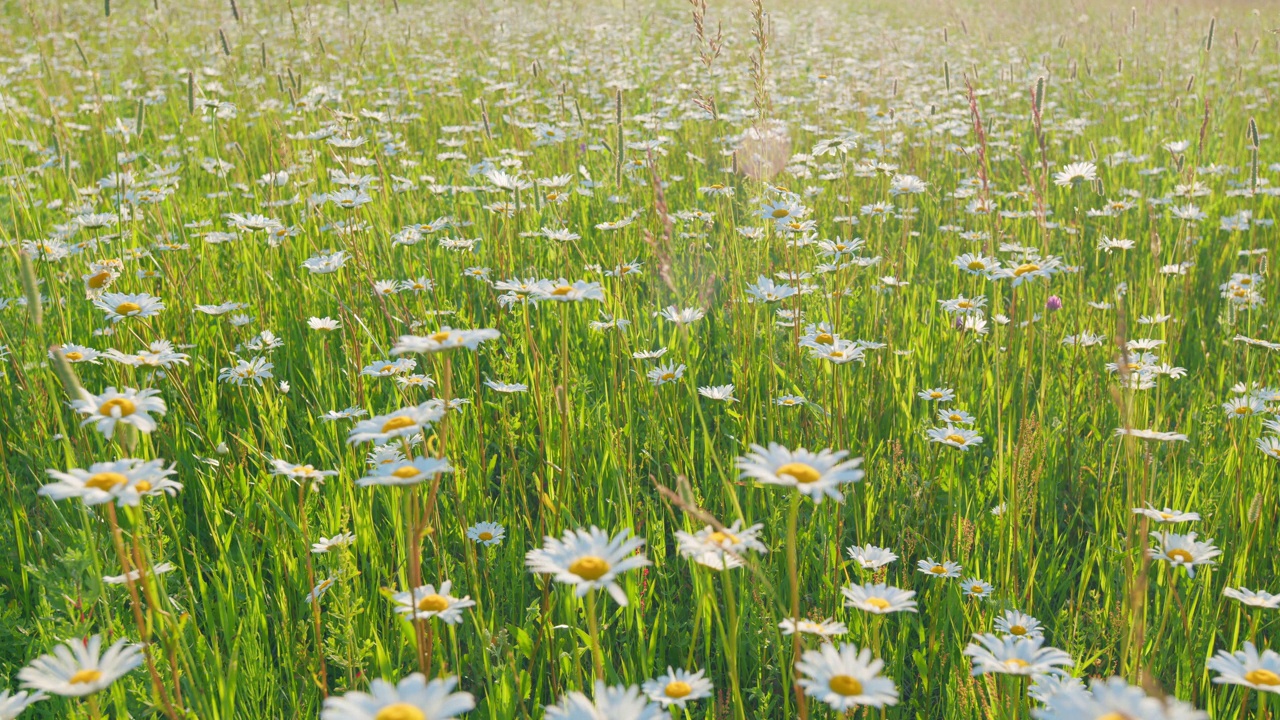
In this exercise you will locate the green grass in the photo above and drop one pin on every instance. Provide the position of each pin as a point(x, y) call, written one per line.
point(232, 626)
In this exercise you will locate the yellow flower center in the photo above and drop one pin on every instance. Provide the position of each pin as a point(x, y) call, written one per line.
point(845, 685)
point(1025, 268)
point(1016, 663)
point(74, 356)
point(964, 304)
point(1114, 716)
point(125, 308)
point(976, 265)
point(1017, 630)
point(142, 486)
point(104, 481)
point(722, 538)
point(677, 689)
point(124, 405)
point(954, 438)
point(562, 290)
point(440, 336)
point(667, 376)
point(717, 186)
point(1244, 410)
point(1246, 281)
point(801, 472)
point(1179, 555)
point(400, 711)
point(85, 675)
point(938, 570)
point(485, 536)
point(824, 339)
point(589, 567)
point(1262, 676)
point(433, 603)
point(398, 422)
point(934, 394)
point(405, 472)
point(780, 213)
point(99, 280)
point(1165, 516)
point(878, 603)
point(977, 589)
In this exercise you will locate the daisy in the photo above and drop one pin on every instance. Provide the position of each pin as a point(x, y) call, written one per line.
point(845, 678)
point(119, 306)
point(1246, 667)
point(300, 473)
point(487, 533)
point(135, 575)
point(937, 394)
point(1245, 406)
point(620, 702)
point(677, 687)
point(1073, 173)
point(79, 353)
point(254, 370)
point(131, 407)
point(718, 392)
point(413, 698)
point(325, 323)
point(817, 475)
point(1018, 624)
point(325, 264)
point(11, 706)
point(1183, 551)
point(1269, 445)
point(721, 549)
point(1259, 598)
point(324, 544)
point(403, 423)
point(1114, 698)
point(80, 667)
point(563, 291)
point(825, 629)
point(976, 588)
point(945, 569)
point(1168, 515)
point(425, 602)
point(870, 557)
point(504, 387)
point(123, 481)
point(684, 316)
point(1011, 655)
point(664, 374)
point(446, 338)
point(589, 560)
point(879, 599)
point(954, 417)
point(406, 472)
point(962, 438)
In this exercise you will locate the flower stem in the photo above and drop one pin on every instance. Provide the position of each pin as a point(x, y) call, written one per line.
point(593, 627)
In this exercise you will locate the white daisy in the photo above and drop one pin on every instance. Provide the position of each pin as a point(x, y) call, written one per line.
point(80, 667)
point(817, 475)
point(589, 560)
point(677, 687)
point(487, 533)
point(426, 602)
point(619, 702)
point(413, 698)
point(845, 678)
point(131, 407)
point(879, 599)
point(1011, 655)
point(405, 472)
point(1247, 667)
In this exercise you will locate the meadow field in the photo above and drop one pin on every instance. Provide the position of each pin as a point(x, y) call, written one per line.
point(635, 359)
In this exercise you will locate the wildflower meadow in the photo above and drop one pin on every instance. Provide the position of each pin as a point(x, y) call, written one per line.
point(639, 359)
